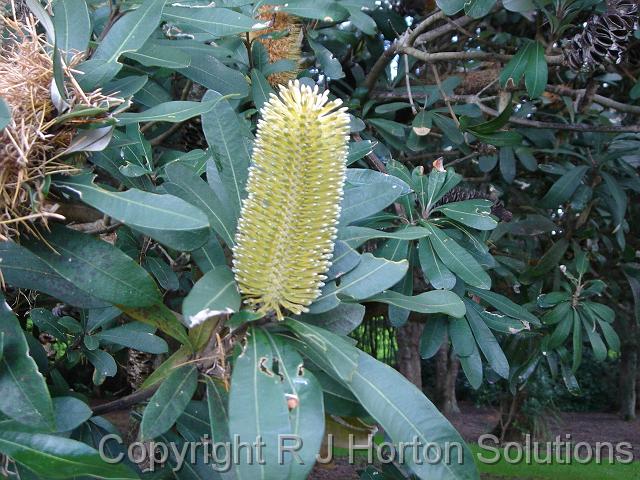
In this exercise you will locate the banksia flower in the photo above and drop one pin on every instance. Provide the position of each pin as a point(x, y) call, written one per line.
point(605, 38)
point(282, 41)
point(287, 226)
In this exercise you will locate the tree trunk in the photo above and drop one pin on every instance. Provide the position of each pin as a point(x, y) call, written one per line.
point(408, 356)
point(629, 368)
point(628, 379)
point(447, 367)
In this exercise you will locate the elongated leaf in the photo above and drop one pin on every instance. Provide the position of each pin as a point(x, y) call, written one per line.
point(214, 294)
point(361, 202)
point(457, 259)
point(434, 301)
point(371, 276)
point(187, 185)
point(23, 269)
point(472, 367)
point(230, 145)
point(335, 351)
point(25, 397)
point(307, 416)
point(406, 414)
point(216, 21)
point(356, 236)
point(161, 317)
point(474, 213)
point(504, 305)
point(130, 32)
point(154, 55)
point(54, 457)
point(564, 187)
point(598, 346)
point(536, 72)
point(168, 403)
point(72, 26)
point(326, 10)
point(103, 365)
point(439, 276)
point(433, 336)
point(134, 335)
point(173, 112)
point(165, 218)
point(341, 320)
point(96, 267)
point(258, 408)
point(486, 340)
point(514, 70)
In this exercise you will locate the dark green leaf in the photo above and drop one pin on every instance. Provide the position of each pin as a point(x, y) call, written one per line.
point(72, 26)
point(536, 72)
point(433, 336)
point(168, 403)
point(214, 294)
point(564, 187)
point(433, 301)
point(134, 335)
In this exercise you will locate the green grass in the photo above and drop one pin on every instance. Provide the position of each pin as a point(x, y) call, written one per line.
point(552, 471)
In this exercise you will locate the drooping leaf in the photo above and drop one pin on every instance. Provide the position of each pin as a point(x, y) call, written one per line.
point(59, 458)
point(433, 301)
point(168, 403)
point(536, 72)
point(172, 112)
point(219, 22)
point(166, 218)
point(564, 187)
point(214, 294)
point(72, 26)
point(505, 305)
point(25, 397)
point(486, 340)
point(433, 269)
point(134, 335)
point(96, 267)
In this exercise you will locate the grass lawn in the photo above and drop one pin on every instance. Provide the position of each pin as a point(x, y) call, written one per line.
point(553, 471)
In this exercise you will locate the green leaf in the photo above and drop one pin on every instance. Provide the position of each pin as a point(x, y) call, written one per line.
point(439, 276)
point(356, 236)
point(341, 320)
point(504, 305)
point(173, 112)
point(260, 88)
point(562, 330)
point(211, 73)
point(371, 276)
point(214, 294)
point(598, 346)
point(168, 403)
point(472, 367)
point(450, 7)
point(47, 322)
point(458, 259)
point(258, 407)
point(155, 55)
point(326, 10)
point(162, 272)
point(25, 397)
point(104, 365)
point(536, 72)
point(474, 213)
point(406, 414)
point(551, 259)
point(433, 336)
point(96, 267)
point(72, 26)
point(219, 22)
point(130, 32)
point(5, 114)
point(366, 200)
point(70, 413)
point(478, 8)
point(563, 188)
point(433, 301)
point(334, 350)
point(186, 184)
point(165, 218)
point(307, 417)
point(507, 164)
point(577, 341)
point(329, 64)
point(218, 406)
point(134, 335)
point(461, 337)
point(54, 457)
point(490, 126)
point(230, 142)
point(610, 336)
point(161, 317)
point(514, 70)
point(486, 340)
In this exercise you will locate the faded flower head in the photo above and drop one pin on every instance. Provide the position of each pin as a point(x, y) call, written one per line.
point(287, 228)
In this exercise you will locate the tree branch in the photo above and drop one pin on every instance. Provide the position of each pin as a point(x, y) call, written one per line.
point(125, 402)
point(469, 55)
point(574, 127)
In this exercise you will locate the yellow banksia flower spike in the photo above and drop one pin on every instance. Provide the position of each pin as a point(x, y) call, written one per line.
point(287, 226)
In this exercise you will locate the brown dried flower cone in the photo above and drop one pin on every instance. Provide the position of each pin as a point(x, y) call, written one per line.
point(282, 47)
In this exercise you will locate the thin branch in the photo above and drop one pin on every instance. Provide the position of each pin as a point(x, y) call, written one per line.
point(125, 402)
point(444, 96)
point(407, 79)
point(599, 99)
point(573, 127)
point(469, 55)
